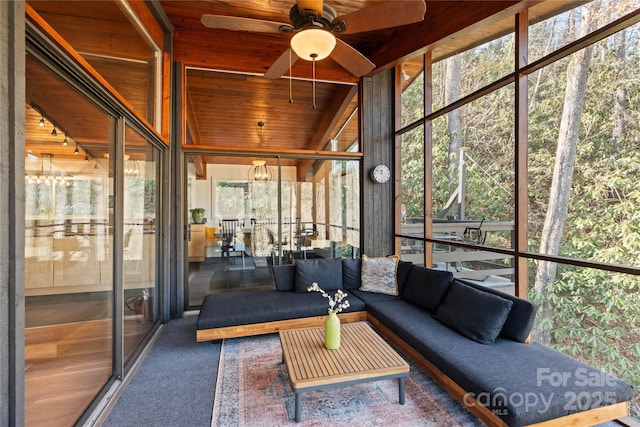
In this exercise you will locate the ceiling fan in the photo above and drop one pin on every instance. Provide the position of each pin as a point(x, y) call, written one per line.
point(315, 24)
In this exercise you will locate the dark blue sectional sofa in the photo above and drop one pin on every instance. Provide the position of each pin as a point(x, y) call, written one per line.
point(471, 339)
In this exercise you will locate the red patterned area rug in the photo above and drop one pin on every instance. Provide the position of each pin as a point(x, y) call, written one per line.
point(253, 389)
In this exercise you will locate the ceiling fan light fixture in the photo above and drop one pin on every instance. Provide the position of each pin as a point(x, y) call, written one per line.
point(313, 44)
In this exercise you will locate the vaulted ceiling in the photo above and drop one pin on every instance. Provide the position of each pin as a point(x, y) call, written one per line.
point(226, 93)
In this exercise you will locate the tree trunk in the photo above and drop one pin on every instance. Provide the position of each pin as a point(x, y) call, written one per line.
point(560, 193)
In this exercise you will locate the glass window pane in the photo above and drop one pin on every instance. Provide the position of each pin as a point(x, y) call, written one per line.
point(412, 250)
point(473, 189)
point(473, 171)
point(68, 250)
point(140, 249)
point(412, 96)
point(464, 73)
point(412, 182)
point(319, 217)
point(584, 122)
point(109, 39)
point(591, 315)
point(550, 33)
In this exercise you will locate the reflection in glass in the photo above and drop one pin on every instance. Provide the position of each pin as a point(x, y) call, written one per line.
point(127, 58)
point(319, 217)
point(68, 251)
point(140, 249)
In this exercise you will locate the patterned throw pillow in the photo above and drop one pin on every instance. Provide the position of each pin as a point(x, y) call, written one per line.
point(378, 275)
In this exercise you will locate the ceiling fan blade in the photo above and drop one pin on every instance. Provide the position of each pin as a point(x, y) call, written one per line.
point(281, 65)
point(385, 15)
point(238, 23)
point(351, 60)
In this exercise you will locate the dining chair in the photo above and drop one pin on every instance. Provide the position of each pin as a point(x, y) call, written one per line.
point(228, 235)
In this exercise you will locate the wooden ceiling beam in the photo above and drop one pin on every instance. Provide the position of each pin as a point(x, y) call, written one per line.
point(444, 21)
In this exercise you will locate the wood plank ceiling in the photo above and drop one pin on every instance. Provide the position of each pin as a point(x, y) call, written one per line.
point(226, 92)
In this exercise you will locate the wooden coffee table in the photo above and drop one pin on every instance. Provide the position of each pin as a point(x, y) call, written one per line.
point(363, 356)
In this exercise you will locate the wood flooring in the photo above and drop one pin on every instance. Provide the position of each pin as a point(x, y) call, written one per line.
point(66, 366)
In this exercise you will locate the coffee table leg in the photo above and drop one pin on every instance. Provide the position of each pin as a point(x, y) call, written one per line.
point(401, 390)
point(298, 406)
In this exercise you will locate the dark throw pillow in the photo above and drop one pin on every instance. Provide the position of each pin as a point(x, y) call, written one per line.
point(285, 277)
point(426, 287)
point(521, 317)
point(327, 273)
point(404, 268)
point(473, 313)
point(351, 273)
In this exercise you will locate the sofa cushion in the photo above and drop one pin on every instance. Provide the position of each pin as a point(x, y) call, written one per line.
point(285, 277)
point(351, 273)
point(404, 269)
point(378, 275)
point(369, 297)
point(427, 287)
point(327, 273)
point(505, 368)
point(473, 313)
point(245, 308)
point(521, 317)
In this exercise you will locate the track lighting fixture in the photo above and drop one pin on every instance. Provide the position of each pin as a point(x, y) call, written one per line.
point(54, 131)
point(41, 122)
point(76, 151)
point(65, 142)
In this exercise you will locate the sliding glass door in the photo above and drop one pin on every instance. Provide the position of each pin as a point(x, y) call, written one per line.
point(69, 247)
point(140, 259)
point(306, 210)
point(91, 249)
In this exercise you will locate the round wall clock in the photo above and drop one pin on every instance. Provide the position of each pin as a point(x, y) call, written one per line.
point(380, 174)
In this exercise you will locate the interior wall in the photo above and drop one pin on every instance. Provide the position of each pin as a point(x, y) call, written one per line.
point(202, 192)
point(12, 101)
point(377, 109)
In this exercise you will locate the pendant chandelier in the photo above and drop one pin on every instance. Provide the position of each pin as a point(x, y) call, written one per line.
point(260, 171)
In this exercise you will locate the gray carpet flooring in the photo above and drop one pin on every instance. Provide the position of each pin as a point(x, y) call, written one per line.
point(175, 383)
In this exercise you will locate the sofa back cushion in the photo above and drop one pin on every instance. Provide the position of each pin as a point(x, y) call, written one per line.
point(327, 273)
point(473, 313)
point(351, 273)
point(427, 287)
point(285, 277)
point(378, 274)
point(404, 269)
point(521, 317)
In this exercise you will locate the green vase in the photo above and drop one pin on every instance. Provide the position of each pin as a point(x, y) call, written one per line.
point(332, 331)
